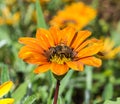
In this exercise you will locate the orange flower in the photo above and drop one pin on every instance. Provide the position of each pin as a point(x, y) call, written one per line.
point(77, 15)
point(58, 50)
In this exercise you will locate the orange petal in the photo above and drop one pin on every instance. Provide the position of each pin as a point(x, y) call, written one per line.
point(90, 50)
point(92, 61)
point(27, 40)
point(31, 42)
point(44, 35)
point(30, 49)
point(75, 65)
point(84, 44)
point(81, 36)
point(42, 68)
point(59, 69)
point(55, 33)
point(32, 57)
point(68, 34)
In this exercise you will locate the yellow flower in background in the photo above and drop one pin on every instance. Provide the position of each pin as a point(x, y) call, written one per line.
point(77, 15)
point(68, 0)
point(58, 50)
point(1, 21)
point(4, 89)
point(10, 2)
point(8, 17)
point(108, 51)
point(41, 1)
point(5, 11)
point(14, 19)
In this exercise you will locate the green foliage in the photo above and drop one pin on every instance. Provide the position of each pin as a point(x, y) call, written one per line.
point(108, 91)
point(4, 35)
point(64, 81)
point(30, 99)
point(40, 17)
point(4, 73)
point(28, 15)
point(112, 102)
point(20, 93)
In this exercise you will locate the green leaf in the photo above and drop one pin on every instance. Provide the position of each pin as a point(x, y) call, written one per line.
point(28, 15)
point(68, 95)
point(112, 102)
point(4, 73)
point(49, 101)
point(40, 17)
point(30, 99)
point(60, 100)
point(95, 3)
point(4, 35)
point(108, 91)
point(20, 93)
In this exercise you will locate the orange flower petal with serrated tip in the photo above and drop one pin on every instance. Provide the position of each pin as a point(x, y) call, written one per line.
point(92, 61)
point(42, 33)
point(59, 69)
point(67, 35)
point(81, 36)
point(30, 49)
point(31, 42)
point(90, 50)
point(87, 42)
point(56, 34)
point(75, 65)
point(32, 57)
point(42, 68)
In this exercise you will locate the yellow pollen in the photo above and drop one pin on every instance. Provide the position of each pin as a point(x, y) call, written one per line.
point(59, 60)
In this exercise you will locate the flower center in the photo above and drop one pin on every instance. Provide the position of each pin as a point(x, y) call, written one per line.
point(69, 22)
point(60, 54)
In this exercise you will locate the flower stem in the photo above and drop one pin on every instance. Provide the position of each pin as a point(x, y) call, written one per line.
point(56, 92)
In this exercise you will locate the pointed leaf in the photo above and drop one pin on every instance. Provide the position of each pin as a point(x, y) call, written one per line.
point(40, 17)
point(4, 73)
point(108, 91)
point(30, 99)
point(19, 92)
